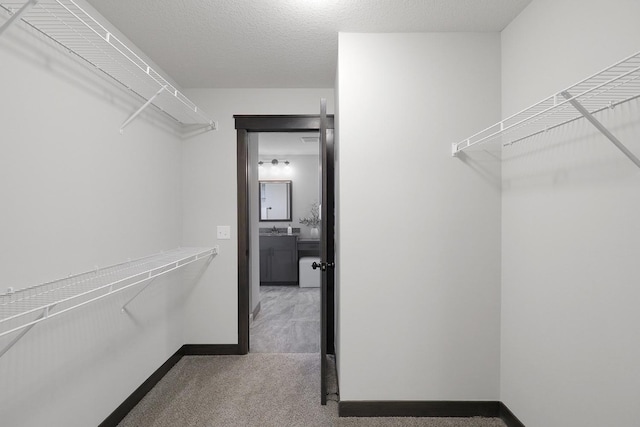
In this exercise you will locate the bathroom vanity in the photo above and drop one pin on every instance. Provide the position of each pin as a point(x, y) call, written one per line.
point(278, 260)
point(279, 255)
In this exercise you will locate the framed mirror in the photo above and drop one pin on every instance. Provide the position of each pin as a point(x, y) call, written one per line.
point(275, 200)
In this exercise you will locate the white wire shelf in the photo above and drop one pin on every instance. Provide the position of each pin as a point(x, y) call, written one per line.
point(610, 87)
point(22, 309)
point(72, 27)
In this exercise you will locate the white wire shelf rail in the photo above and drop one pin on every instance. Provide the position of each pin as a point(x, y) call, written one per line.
point(69, 25)
point(22, 309)
point(608, 88)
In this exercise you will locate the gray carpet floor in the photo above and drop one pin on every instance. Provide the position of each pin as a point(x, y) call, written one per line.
point(276, 385)
point(259, 389)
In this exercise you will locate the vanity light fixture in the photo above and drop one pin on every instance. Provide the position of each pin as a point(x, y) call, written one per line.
point(275, 163)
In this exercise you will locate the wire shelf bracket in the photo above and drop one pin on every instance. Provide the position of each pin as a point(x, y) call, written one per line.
point(145, 105)
point(73, 28)
point(595, 122)
point(604, 90)
point(17, 15)
point(21, 310)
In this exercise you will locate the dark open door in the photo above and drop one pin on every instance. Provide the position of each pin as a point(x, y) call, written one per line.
point(326, 246)
point(290, 123)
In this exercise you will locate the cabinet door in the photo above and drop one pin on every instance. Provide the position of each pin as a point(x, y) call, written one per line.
point(264, 261)
point(266, 256)
point(284, 260)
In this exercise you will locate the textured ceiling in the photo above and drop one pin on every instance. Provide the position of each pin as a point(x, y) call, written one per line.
point(280, 43)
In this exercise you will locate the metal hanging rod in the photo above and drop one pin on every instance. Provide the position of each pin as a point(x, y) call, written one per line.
point(21, 310)
point(606, 89)
point(77, 31)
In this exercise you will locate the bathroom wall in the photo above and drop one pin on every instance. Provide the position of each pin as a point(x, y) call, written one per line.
point(570, 232)
point(305, 179)
point(254, 224)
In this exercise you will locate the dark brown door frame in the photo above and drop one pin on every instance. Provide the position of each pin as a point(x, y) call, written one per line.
point(271, 123)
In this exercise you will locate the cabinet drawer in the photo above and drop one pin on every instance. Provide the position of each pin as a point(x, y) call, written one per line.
point(306, 245)
point(308, 248)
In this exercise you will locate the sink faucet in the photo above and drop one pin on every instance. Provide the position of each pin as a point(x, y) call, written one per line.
point(274, 229)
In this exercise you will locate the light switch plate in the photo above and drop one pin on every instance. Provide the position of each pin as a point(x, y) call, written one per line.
point(224, 232)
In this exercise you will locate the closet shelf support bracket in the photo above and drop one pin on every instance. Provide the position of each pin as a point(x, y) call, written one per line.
point(151, 275)
point(611, 137)
point(24, 9)
point(145, 105)
point(150, 281)
point(44, 314)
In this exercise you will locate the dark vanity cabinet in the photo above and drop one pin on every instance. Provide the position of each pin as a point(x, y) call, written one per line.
point(278, 260)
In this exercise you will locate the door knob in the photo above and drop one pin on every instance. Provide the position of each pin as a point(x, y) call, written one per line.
point(323, 265)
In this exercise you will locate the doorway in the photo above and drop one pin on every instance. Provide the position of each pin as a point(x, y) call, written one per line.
point(284, 196)
point(245, 125)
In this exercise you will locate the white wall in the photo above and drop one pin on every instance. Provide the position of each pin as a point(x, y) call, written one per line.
point(254, 224)
point(305, 179)
point(210, 199)
point(76, 194)
point(570, 232)
point(419, 231)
